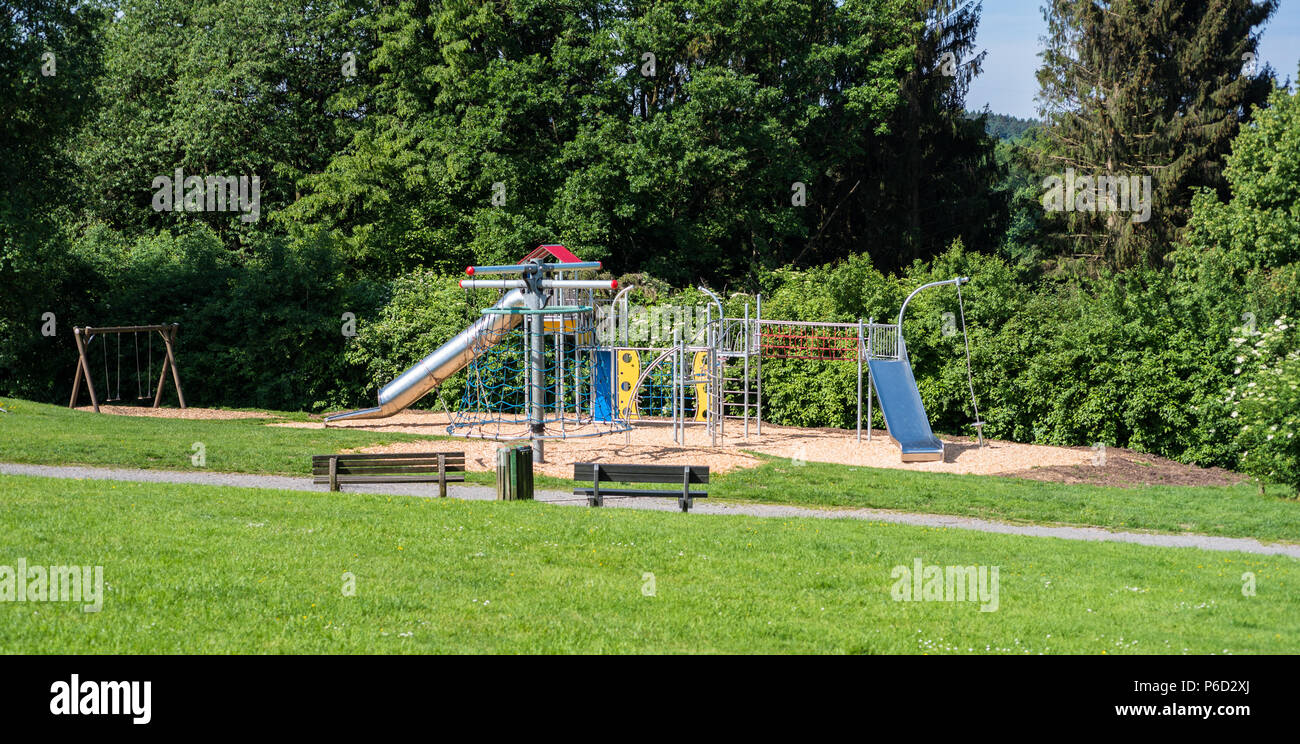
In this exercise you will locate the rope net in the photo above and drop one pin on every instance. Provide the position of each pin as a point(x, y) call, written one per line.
point(515, 390)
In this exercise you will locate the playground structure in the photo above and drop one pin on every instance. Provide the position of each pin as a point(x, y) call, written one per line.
point(145, 390)
point(531, 357)
point(554, 358)
point(723, 365)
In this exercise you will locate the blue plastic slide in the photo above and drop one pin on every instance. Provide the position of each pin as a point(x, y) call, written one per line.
point(904, 413)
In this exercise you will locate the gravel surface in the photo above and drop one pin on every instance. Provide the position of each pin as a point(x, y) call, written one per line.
point(195, 414)
point(473, 492)
point(651, 441)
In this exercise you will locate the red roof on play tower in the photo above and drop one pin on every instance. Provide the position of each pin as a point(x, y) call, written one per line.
point(558, 252)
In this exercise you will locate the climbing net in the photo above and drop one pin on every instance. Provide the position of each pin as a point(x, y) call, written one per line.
point(533, 376)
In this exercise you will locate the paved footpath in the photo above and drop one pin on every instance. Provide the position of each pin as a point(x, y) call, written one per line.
point(473, 492)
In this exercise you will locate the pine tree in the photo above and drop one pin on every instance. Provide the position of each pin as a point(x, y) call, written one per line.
point(1136, 89)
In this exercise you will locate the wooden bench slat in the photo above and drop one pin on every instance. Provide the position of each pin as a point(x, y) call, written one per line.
point(387, 479)
point(386, 456)
point(638, 492)
point(393, 468)
point(390, 460)
point(386, 463)
point(635, 473)
point(379, 470)
point(372, 466)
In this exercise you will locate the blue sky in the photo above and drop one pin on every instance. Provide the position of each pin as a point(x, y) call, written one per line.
point(1009, 31)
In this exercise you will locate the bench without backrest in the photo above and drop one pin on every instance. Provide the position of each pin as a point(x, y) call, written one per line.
point(407, 467)
point(597, 473)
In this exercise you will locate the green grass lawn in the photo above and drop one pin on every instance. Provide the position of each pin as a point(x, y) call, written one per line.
point(207, 569)
point(53, 435)
point(46, 434)
point(43, 434)
point(1235, 511)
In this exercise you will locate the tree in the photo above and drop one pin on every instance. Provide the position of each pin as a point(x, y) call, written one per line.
point(49, 62)
point(694, 139)
point(1138, 89)
point(223, 88)
point(943, 160)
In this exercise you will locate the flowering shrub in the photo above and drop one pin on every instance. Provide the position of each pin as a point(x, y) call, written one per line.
point(1266, 402)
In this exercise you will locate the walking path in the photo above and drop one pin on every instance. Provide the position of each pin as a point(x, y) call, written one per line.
point(473, 492)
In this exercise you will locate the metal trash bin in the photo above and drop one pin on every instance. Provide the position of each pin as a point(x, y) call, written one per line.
point(515, 473)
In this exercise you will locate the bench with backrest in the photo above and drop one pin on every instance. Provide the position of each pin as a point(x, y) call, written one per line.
point(407, 467)
point(599, 473)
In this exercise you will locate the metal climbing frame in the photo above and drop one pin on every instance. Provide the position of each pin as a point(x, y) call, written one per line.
point(831, 342)
point(735, 350)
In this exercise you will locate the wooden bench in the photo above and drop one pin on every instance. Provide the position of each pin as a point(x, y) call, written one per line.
point(415, 467)
point(597, 473)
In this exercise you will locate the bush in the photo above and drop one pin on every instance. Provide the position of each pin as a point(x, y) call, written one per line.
point(420, 312)
point(257, 329)
point(1265, 401)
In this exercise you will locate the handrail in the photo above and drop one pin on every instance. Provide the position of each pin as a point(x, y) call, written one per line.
point(902, 347)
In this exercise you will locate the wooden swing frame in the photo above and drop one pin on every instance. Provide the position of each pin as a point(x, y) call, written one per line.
point(86, 334)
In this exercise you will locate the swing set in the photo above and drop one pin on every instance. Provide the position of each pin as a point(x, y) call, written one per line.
point(144, 387)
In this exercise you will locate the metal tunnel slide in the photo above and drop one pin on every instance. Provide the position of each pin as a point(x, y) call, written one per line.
point(904, 413)
point(444, 362)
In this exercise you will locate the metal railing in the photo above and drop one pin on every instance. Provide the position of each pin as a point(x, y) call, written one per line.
point(881, 341)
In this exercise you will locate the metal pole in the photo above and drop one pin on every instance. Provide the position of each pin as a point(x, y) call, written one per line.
point(859, 356)
point(745, 330)
point(677, 382)
point(758, 330)
point(537, 383)
point(902, 346)
point(710, 414)
point(559, 371)
point(870, 322)
point(717, 375)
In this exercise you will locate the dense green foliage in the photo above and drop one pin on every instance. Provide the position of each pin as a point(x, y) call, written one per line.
point(218, 87)
point(690, 139)
point(257, 331)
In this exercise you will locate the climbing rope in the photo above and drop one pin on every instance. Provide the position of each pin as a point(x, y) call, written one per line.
point(970, 378)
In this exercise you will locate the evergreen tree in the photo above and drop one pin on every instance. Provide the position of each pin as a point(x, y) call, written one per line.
point(1138, 88)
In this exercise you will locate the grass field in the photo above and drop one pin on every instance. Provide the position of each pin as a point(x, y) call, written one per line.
point(207, 569)
point(42, 434)
point(46, 434)
point(1233, 511)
